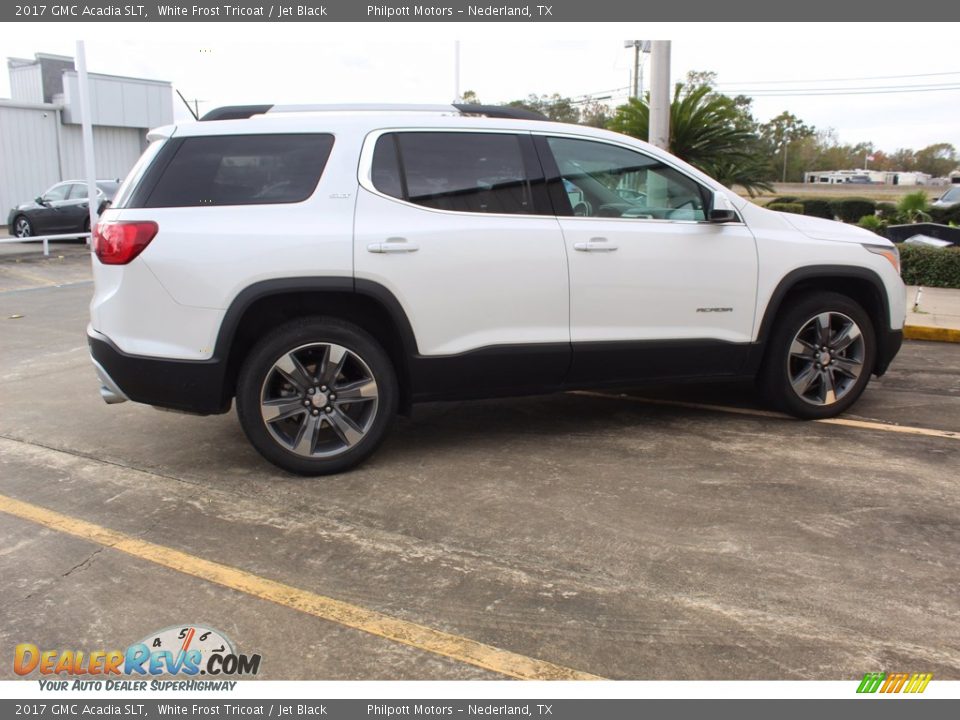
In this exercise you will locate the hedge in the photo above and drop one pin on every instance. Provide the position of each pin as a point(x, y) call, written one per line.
point(946, 215)
point(794, 207)
point(850, 210)
point(817, 207)
point(930, 266)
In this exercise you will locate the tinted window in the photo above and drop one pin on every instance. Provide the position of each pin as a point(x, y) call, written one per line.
point(610, 181)
point(241, 170)
point(467, 172)
point(385, 172)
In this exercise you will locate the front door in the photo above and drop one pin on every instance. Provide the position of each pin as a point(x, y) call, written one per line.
point(655, 289)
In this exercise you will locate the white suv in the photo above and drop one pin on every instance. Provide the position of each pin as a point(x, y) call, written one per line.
point(330, 266)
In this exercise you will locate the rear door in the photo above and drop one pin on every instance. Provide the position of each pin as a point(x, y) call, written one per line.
point(448, 222)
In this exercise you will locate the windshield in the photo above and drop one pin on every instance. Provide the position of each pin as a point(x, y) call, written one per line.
point(952, 195)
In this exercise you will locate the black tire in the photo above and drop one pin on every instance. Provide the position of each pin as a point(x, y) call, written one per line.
point(345, 431)
point(795, 379)
point(22, 227)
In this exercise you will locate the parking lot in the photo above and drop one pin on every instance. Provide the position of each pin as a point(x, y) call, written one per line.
point(656, 534)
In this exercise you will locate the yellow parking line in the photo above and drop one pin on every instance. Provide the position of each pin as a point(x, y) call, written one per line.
point(862, 424)
point(423, 638)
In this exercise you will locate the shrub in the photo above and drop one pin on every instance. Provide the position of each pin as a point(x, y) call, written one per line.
point(817, 207)
point(851, 209)
point(946, 215)
point(795, 208)
point(930, 266)
point(887, 210)
point(914, 207)
point(872, 223)
point(784, 199)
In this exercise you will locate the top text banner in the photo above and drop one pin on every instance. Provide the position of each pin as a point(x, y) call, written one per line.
point(458, 11)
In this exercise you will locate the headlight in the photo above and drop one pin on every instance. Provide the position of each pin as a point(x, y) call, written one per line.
point(890, 253)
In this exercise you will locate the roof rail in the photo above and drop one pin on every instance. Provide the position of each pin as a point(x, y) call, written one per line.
point(242, 112)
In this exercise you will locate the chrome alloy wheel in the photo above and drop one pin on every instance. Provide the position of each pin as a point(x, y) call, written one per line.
point(319, 400)
point(826, 358)
point(21, 228)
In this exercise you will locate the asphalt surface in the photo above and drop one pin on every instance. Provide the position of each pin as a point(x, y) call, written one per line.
point(606, 534)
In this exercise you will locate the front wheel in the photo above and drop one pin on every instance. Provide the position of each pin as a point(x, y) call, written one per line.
point(22, 227)
point(316, 396)
point(820, 357)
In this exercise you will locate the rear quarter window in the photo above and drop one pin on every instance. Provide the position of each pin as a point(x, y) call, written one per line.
point(221, 170)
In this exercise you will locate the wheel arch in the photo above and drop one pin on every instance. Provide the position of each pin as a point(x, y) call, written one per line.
point(861, 285)
point(264, 305)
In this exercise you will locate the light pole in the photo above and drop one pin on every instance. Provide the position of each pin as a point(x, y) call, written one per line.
point(639, 46)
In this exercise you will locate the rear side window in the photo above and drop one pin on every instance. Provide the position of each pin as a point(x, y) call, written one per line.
point(466, 172)
point(235, 170)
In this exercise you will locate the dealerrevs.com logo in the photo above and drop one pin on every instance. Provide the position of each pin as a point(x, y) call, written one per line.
point(179, 650)
point(898, 682)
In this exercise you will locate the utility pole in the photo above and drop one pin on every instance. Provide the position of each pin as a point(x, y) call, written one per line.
point(639, 46)
point(86, 133)
point(456, 71)
point(660, 94)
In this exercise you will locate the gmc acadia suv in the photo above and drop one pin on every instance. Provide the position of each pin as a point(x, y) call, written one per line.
point(329, 266)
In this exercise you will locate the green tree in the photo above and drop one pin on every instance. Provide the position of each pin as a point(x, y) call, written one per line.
point(707, 130)
point(556, 107)
point(781, 137)
point(937, 160)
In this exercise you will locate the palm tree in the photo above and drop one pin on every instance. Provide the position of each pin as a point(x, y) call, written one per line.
point(707, 130)
point(913, 207)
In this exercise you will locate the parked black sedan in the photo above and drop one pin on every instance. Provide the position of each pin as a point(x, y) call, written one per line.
point(60, 210)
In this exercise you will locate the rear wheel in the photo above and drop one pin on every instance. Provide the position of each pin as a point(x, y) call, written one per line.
point(316, 396)
point(820, 357)
point(22, 227)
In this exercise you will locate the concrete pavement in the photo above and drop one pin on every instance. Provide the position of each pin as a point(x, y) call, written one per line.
point(607, 533)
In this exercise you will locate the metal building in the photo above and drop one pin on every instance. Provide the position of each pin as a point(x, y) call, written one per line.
point(40, 136)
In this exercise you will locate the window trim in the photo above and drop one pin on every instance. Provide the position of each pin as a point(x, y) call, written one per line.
point(550, 166)
point(537, 196)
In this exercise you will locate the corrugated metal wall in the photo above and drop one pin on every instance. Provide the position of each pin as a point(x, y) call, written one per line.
point(30, 162)
point(28, 155)
point(120, 102)
point(26, 83)
point(115, 150)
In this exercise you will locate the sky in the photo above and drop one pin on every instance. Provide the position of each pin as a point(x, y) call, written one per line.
point(239, 63)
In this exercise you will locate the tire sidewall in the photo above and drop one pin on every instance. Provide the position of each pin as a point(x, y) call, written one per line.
point(292, 335)
point(776, 380)
point(18, 220)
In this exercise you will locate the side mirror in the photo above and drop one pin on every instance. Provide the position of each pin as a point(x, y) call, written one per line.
point(40, 200)
point(721, 209)
point(723, 216)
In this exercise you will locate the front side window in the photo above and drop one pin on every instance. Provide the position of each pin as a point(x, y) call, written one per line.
point(57, 192)
point(465, 172)
point(78, 191)
point(602, 180)
point(240, 170)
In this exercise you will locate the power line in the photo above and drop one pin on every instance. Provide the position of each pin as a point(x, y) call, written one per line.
point(850, 79)
point(848, 91)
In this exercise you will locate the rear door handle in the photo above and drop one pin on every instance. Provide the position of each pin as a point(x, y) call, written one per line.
point(393, 245)
point(597, 244)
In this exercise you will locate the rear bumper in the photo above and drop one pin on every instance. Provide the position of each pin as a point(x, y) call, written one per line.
point(193, 386)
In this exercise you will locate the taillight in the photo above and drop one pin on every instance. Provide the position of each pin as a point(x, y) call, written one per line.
point(117, 243)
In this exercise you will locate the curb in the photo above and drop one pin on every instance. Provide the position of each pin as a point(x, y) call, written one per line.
point(935, 334)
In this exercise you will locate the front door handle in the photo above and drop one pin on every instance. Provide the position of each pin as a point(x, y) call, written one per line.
point(597, 244)
point(393, 245)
